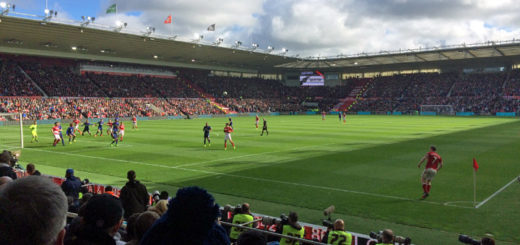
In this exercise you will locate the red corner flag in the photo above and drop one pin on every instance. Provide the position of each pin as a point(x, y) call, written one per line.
point(168, 20)
point(475, 164)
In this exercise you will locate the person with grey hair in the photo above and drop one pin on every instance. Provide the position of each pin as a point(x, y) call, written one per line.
point(33, 210)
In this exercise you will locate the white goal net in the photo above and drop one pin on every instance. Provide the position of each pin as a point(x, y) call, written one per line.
point(11, 131)
point(438, 109)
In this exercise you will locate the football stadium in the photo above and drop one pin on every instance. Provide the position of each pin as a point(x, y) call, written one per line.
point(134, 133)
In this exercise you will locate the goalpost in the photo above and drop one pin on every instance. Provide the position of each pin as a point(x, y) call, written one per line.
point(7, 122)
point(438, 109)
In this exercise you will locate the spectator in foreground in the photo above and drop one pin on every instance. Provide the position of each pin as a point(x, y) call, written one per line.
point(134, 196)
point(71, 186)
point(191, 219)
point(252, 238)
point(6, 165)
point(131, 237)
point(33, 210)
point(5, 180)
point(110, 191)
point(102, 218)
point(144, 222)
point(160, 208)
point(31, 170)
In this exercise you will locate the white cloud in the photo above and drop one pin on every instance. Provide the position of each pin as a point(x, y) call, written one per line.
point(327, 27)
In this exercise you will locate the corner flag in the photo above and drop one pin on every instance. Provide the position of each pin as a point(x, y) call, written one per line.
point(112, 9)
point(475, 164)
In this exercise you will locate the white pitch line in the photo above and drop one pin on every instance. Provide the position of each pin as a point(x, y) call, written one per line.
point(253, 178)
point(496, 193)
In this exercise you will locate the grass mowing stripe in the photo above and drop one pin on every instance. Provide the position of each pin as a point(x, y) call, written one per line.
point(254, 178)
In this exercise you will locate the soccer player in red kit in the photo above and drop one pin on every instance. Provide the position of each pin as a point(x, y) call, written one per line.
point(323, 114)
point(433, 164)
point(134, 122)
point(56, 132)
point(257, 119)
point(227, 132)
point(122, 131)
point(76, 125)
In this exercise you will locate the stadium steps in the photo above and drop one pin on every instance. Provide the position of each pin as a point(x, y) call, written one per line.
point(361, 86)
point(209, 98)
point(32, 81)
point(155, 108)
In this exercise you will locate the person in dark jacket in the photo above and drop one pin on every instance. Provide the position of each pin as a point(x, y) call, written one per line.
point(134, 196)
point(71, 186)
point(191, 219)
point(7, 162)
point(102, 218)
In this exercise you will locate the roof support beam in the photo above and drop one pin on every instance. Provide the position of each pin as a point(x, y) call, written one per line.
point(419, 57)
point(469, 52)
point(499, 51)
point(443, 55)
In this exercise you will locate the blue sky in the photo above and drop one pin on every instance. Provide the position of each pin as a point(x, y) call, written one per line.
point(308, 27)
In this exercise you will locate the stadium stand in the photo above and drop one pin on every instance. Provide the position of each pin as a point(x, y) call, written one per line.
point(105, 90)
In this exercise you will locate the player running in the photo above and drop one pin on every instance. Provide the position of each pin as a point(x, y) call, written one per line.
point(257, 119)
point(56, 132)
point(344, 115)
point(114, 131)
point(323, 114)
point(34, 131)
point(433, 164)
point(206, 130)
point(134, 122)
point(86, 128)
point(230, 122)
point(61, 135)
point(109, 129)
point(99, 128)
point(339, 115)
point(227, 132)
point(122, 131)
point(76, 125)
point(264, 128)
point(71, 133)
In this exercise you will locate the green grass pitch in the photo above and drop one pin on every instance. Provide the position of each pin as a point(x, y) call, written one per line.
point(367, 168)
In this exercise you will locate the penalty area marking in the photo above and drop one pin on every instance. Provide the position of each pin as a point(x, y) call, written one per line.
point(254, 178)
point(497, 192)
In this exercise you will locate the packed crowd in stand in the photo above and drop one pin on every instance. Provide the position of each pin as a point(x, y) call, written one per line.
point(108, 95)
point(478, 93)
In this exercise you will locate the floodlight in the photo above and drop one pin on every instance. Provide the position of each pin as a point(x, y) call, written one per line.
point(218, 41)
point(155, 57)
point(74, 48)
point(3, 5)
point(46, 11)
point(270, 49)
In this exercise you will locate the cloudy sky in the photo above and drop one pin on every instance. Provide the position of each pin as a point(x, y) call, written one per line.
point(309, 27)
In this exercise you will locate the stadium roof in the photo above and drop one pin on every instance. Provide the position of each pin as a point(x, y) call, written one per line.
point(43, 38)
point(505, 52)
point(70, 40)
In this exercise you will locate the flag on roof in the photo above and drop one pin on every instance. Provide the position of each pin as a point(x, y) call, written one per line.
point(112, 9)
point(168, 19)
point(211, 27)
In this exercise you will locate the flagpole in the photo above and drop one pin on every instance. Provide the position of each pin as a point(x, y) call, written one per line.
point(474, 187)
